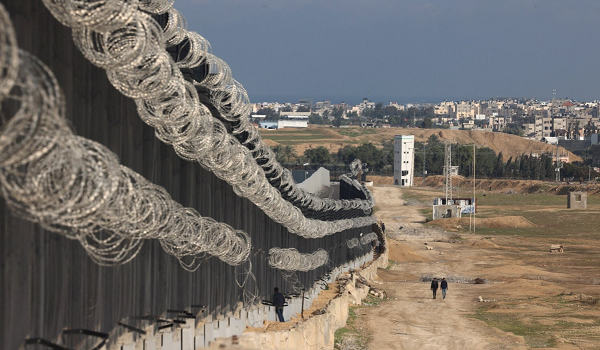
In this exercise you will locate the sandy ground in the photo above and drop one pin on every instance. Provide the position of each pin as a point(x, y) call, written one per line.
point(412, 319)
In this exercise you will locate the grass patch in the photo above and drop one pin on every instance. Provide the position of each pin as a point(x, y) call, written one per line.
point(504, 200)
point(373, 301)
point(547, 212)
point(408, 195)
point(356, 132)
point(427, 213)
point(391, 264)
point(536, 335)
point(350, 332)
point(354, 331)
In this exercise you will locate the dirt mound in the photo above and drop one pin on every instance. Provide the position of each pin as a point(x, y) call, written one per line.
point(401, 252)
point(484, 244)
point(396, 275)
point(512, 270)
point(498, 222)
point(505, 221)
point(270, 143)
point(380, 180)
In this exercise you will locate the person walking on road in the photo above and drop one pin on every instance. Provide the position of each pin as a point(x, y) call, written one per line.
point(444, 287)
point(434, 286)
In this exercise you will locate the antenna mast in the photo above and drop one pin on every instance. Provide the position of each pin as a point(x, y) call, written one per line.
point(448, 172)
point(558, 163)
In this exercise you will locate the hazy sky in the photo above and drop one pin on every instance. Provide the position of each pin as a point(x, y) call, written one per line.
point(404, 50)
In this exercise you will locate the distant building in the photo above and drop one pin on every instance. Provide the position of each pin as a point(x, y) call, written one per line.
point(295, 115)
point(306, 102)
point(292, 124)
point(453, 208)
point(283, 123)
point(404, 160)
point(397, 106)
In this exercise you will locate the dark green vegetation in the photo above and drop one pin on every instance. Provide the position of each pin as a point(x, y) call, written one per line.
point(429, 157)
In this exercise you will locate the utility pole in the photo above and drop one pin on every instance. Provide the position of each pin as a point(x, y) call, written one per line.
point(558, 164)
point(474, 201)
point(448, 172)
point(424, 147)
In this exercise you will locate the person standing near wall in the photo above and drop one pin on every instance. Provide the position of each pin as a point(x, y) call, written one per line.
point(278, 301)
point(434, 286)
point(383, 227)
point(444, 287)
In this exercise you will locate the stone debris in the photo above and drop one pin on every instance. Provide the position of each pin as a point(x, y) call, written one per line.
point(481, 300)
point(429, 248)
point(351, 282)
point(557, 248)
point(378, 293)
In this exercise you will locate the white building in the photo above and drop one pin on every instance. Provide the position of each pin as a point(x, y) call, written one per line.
point(404, 160)
point(286, 123)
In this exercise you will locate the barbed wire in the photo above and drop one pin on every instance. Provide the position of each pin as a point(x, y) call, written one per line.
point(9, 60)
point(76, 187)
point(368, 238)
point(130, 45)
point(353, 243)
point(291, 260)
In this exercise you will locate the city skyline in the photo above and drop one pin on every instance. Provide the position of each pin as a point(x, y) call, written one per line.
point(407, 51)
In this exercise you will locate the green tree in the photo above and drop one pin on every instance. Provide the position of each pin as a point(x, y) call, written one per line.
point(337, 112)
point(499, 167)
point(513, 130)
point(271, 114)
point(427, 123)
point(285, 154)
point(315, 118)
point(318, 156)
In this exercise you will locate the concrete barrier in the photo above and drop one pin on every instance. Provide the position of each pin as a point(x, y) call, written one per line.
point(317, 332)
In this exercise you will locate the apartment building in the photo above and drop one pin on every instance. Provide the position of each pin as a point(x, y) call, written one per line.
point(467, 109)
point(445, 108)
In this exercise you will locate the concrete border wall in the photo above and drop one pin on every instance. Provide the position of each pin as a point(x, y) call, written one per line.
point(317, 332)
point(48, 283)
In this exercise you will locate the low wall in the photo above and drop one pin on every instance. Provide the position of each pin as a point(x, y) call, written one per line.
point(317, 332)
point(213, 333)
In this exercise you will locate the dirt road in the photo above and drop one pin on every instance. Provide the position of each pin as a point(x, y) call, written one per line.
point(410, 318)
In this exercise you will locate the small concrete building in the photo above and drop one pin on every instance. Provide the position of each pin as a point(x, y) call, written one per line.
point(446, 211)
point(404, 160)
point(577, 200)
point(466, 205)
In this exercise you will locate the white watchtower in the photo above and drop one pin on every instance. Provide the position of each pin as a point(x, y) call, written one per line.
point(404, 160)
